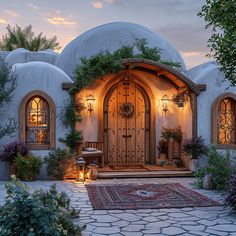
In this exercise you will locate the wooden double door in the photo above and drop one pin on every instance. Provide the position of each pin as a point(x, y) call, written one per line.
point(127, 121)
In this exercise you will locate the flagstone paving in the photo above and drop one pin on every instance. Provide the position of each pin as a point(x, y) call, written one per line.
point(202, 221)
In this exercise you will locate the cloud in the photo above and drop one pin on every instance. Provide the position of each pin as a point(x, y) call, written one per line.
point(190, 54)
point(115, 2)
point(2, 21)
point(185, 37)
point(97, 5)
point(11, 13)
point(61, 21)
point(32, 6)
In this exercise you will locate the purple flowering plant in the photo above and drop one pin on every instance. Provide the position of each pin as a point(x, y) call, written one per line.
point(12, 150)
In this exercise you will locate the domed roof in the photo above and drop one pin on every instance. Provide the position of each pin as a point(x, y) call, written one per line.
point(41, 73)
point(111, 37)
point(206, 73)
point(21, 55)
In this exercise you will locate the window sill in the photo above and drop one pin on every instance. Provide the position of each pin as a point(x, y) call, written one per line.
point(39, 147)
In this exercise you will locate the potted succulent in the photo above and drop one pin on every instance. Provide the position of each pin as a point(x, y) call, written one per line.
point(194, 148)
point(10, 153)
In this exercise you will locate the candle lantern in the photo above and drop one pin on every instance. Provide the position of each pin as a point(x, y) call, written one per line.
point(165, 103)
point(81, 169)
point(90, 103)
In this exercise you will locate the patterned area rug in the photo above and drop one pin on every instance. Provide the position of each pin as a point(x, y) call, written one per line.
point(145, 196)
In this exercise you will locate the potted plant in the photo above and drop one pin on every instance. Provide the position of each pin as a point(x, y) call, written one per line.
point(167, 133)
point(163, 149)
point(194, 148)
point(10, 153)
point(27, 167)
point(173, 137)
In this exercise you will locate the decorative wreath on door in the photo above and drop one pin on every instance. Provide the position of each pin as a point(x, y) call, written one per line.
point(126, 110)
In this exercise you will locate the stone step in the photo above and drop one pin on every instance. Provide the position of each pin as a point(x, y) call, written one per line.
point(144, 174)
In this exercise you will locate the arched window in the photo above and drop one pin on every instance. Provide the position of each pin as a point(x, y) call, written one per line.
point(224, 120)
point(37, 118)
point(37, 121)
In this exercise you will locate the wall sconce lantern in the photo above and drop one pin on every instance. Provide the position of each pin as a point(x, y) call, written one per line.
point(80, 169)
point(165, 103)
point(90, 103)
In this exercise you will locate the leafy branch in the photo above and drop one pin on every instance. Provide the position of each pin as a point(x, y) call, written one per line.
point(8, 129)
point(220, 16)
point(7, 87)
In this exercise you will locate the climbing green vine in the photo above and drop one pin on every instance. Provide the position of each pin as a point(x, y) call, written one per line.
point(98, 66)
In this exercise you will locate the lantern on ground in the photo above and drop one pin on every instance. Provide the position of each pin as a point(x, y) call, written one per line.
point(165, 103)
point(81, 169)
point(90, 103)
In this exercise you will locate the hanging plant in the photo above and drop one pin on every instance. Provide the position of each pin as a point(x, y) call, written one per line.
point(180, 98)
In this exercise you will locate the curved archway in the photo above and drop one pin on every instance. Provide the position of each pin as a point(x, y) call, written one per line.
point(37, 121)
point(142, 98)
point(223, 120)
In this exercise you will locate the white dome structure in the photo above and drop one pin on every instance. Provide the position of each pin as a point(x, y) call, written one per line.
point(21, 55)
point(111, 37)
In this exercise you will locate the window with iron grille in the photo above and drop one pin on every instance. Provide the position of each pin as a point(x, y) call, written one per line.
point(226, 122)
point(37, 121)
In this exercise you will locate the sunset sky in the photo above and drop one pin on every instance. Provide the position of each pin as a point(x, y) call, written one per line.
point(176, 20)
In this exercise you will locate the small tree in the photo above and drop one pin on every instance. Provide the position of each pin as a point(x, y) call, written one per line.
point(7, 86)
point(17, 37)
point(220, 15)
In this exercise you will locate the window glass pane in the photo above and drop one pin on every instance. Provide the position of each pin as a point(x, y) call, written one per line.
point(37, 121)
point(226, 122)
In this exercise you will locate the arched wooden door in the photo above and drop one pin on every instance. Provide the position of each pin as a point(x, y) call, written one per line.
point(127, 120)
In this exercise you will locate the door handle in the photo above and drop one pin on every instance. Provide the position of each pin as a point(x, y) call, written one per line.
point(127, 136)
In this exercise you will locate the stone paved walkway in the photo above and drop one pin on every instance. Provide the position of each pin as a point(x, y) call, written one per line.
point(185, 221)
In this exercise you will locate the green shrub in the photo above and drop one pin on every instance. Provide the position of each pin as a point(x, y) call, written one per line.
point(199, 175)
point(27, 167)
point(44, 213)
point(56, 162)
point(220, 166)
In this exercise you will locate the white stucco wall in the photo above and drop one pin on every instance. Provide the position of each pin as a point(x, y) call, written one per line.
point(3, 54)
point(216, 85)
point(37, 76)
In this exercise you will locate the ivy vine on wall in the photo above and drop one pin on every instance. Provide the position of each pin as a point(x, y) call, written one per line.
point(98, 66)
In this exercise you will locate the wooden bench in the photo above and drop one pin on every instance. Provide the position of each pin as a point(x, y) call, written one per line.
point(89, 157)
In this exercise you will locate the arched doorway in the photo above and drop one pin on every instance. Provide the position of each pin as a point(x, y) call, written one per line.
point(127, 124)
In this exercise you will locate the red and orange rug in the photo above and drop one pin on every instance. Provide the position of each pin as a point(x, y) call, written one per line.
point(145, 196)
